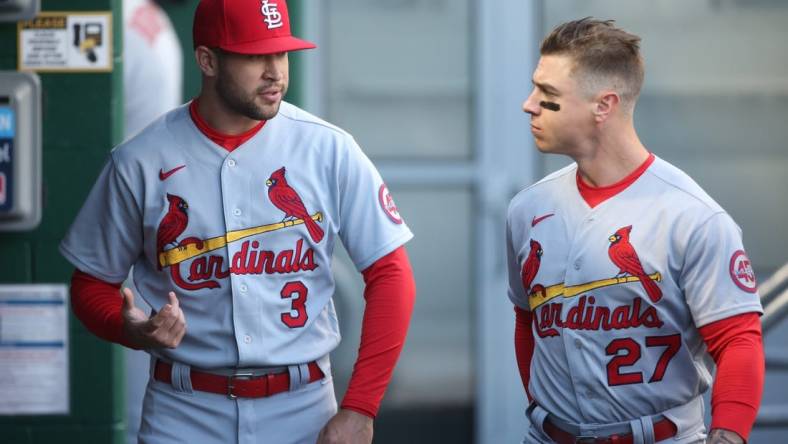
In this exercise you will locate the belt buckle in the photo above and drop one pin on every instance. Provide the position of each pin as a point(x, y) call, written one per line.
point(238, 375)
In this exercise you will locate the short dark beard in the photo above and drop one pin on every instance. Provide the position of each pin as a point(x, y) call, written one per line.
point(233, 98)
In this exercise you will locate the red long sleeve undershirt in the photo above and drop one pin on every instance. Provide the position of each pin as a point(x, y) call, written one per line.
point(97, 304)
point(389, 293)
point(524, 345)
point(735, 344)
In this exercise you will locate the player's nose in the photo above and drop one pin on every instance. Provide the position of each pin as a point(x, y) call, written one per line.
point(530, 104)
point(275, 66)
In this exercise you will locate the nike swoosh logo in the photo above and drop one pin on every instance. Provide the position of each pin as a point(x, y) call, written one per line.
point(163, 176)
point(536, 220)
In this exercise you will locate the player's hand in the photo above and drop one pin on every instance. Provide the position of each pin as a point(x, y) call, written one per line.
point(165, 329)
point(347, 427)
point(720, 436)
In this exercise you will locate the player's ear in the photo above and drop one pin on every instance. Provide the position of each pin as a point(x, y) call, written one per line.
point(606, 102)
point(207, 60)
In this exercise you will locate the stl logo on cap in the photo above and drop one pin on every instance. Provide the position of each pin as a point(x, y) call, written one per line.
point(271, 15)
point(245, 27)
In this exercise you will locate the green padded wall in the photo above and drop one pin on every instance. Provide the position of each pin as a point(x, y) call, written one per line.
point(82, 120)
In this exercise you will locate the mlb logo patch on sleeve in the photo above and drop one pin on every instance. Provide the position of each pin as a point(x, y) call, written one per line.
point(741, 272)
point(388, 205)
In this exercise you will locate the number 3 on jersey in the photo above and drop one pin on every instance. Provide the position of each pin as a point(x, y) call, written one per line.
point(297, 292)
point(632, 353)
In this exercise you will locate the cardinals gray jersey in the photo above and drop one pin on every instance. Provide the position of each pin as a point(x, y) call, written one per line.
point(244, 238)
point(619, 291)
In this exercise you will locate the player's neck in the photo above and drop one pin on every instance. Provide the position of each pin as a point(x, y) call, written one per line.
point(611, 157)
point(219, 117)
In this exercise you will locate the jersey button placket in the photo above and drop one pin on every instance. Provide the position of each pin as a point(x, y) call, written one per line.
point(574, 360)
point(573, 344)
point(234, 203)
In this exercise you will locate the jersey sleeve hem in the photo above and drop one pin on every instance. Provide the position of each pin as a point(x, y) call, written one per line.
point(85, 268)
point(384, 250)
point(519, 304)
point(728, 312)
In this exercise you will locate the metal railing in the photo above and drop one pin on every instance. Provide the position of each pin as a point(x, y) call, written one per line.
point(774, 298)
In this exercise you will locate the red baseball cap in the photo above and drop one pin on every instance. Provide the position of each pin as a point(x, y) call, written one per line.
point(245, 27)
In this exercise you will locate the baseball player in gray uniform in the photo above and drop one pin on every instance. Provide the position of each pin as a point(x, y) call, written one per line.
point(629, 281)
point(228, 208)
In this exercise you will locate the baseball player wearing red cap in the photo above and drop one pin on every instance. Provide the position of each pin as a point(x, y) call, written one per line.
point(228, 208)
point(629, 281)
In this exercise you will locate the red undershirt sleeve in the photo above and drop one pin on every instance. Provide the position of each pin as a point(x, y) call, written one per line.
point(736, 345)
point(97, 304)
point(524, 345)
point(390, 293)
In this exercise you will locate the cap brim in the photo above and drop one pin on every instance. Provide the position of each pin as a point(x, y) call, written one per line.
point(270, 46)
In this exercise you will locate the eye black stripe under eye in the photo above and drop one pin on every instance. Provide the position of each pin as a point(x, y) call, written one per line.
point(552, 106)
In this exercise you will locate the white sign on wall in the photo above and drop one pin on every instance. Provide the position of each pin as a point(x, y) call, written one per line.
point(34, 376)
point(65, 41)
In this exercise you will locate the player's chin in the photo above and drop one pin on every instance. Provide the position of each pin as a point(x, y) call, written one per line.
point(268, 111)
point(542, 145)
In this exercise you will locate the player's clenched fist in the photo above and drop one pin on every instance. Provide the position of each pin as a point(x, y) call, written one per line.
point(165, 329)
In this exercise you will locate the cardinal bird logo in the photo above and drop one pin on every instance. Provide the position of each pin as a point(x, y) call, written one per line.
point(624, 256)
point(531, 265)
point(284, 197)
point(173, 223)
